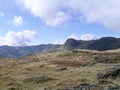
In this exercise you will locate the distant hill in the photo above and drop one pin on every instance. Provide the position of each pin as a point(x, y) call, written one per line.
point(75, 44)
point(17, 52)
point(105, 43)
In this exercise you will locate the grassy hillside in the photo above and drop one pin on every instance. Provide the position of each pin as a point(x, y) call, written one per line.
point(62, 70)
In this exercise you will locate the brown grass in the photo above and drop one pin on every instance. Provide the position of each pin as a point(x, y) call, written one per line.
point(69, 63)
point(15, 71)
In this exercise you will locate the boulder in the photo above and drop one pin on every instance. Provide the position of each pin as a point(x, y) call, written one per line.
point(41, 79)
point(60, 68)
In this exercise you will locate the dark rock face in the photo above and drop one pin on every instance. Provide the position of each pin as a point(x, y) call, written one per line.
point(112, 74)
point(71, 44)
point(105, 43)
point(75, 44)
point(86, 87)
point(93, 87)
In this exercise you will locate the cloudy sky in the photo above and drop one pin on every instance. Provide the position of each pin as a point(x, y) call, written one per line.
point(32, 22)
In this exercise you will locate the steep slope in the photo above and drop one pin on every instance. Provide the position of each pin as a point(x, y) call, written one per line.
point(71, 44)
point(76, 44)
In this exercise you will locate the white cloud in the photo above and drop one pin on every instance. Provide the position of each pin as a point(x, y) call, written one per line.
point(60, 41)
point(1, 14)
point(104, 12)
point(74, 36)
point(85, 37)
point(59, 19)
point(49, 11)
point(88, 37)
point(18, 38)
point(17, 21)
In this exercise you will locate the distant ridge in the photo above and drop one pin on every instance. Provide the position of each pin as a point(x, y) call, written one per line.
point(17, 52)
point(104, 43)
point(74, 44)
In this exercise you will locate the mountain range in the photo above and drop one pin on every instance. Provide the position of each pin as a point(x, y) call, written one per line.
point(104, 43)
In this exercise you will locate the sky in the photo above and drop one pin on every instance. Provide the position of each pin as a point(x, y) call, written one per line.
point(34, 22)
